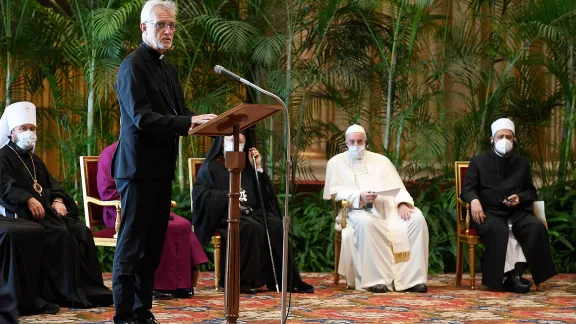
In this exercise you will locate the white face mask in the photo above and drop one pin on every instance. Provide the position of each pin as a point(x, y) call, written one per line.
point(503, 146)
point(229, 146)
point(356, 152)
point(26, 140)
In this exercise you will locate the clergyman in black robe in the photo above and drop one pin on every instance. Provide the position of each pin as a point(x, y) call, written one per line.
point(21, 246)
point(70, 271)
point(210, 201)
point(8, 313)
point(498, 185)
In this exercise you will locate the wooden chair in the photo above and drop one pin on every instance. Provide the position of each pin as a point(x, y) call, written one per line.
point(93, 205)
point(338, 205)
point(193, 168)
point(468, 235)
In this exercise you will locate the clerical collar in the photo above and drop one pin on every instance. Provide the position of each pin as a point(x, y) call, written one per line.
point(152, 51)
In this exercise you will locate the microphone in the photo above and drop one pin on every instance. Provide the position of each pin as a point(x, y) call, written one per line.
point(221, 70)
point(286, 219)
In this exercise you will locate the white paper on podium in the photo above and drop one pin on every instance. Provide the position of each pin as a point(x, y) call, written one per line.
point(388, 193)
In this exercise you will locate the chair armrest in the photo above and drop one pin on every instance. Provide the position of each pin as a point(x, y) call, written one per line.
point(104, 203)
point(345, 205)
point(462, 203)
point(109, 203)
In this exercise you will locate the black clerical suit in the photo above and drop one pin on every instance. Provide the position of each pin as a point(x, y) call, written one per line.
point(70, 273)
point(210, 201)
point(492, 178)
point(153, 116)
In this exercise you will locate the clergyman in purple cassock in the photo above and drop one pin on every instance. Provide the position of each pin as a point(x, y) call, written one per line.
point(182, 250)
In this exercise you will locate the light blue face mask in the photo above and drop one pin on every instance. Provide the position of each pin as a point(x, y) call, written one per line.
point(229, 146)
point(356, 152)
point(26, 140)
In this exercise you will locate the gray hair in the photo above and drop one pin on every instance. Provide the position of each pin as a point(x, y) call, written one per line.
point(146, 13)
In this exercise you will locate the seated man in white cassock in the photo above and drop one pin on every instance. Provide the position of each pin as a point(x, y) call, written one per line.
point(385, 241)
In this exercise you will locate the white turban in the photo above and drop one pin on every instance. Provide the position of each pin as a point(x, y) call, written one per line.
point(502, 123)
point(16, 114)
point(355, 129)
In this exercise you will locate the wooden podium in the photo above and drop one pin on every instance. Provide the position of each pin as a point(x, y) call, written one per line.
point(231, 123)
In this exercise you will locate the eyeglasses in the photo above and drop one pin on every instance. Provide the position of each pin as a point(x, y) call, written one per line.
point(162, 25)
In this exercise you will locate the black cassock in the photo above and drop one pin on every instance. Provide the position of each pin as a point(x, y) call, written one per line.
point(210, 201)
point(491, 178)
point(70, 273)
point(21, 245)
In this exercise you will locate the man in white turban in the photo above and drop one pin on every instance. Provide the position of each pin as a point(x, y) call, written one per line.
point(70, 273)
point(385, 241)
point(498, 185)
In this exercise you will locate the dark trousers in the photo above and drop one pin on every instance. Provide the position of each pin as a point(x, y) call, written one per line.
point(531, 235)
point(144, 220)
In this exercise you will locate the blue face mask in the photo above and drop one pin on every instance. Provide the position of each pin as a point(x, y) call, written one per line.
point(26, 140)
point(356, 152)
point(229, 146)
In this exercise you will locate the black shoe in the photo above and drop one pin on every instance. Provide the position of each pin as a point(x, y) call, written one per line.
point(378, 289)
point(303, 288)
point(513, 284)
point(148, 321)
point(183, 293)
point(526, 282)
point(247, 290)
point(50, 309)
point(162, 295)
point(419, 288)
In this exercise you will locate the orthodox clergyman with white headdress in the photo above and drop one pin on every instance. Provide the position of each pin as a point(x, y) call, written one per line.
point(498, 186)
point(385, 241)
point(70, 273)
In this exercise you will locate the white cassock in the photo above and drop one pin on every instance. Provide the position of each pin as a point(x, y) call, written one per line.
point(378, 247)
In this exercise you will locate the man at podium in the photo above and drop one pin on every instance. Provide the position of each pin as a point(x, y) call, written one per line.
point(153, 115)
point(210, 200)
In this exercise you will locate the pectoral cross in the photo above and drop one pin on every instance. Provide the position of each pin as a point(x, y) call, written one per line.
point(243, 196)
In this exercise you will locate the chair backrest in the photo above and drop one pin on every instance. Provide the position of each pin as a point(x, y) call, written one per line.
point(194, 165)
point(89, 170)
point(460, 168)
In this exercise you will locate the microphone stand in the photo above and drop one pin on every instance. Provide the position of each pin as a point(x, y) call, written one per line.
point(286, 218)
point(263, 207)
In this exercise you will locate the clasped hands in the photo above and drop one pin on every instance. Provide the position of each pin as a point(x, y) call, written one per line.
point(199, 120)
point(404, 209)
point(37, 209)
point(478, 213)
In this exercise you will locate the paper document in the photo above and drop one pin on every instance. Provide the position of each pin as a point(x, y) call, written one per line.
point(389, 193)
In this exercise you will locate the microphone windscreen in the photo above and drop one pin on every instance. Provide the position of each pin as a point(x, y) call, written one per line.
point(218, 69)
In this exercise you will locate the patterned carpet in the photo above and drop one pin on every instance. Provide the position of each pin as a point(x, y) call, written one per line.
point(444, 303)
